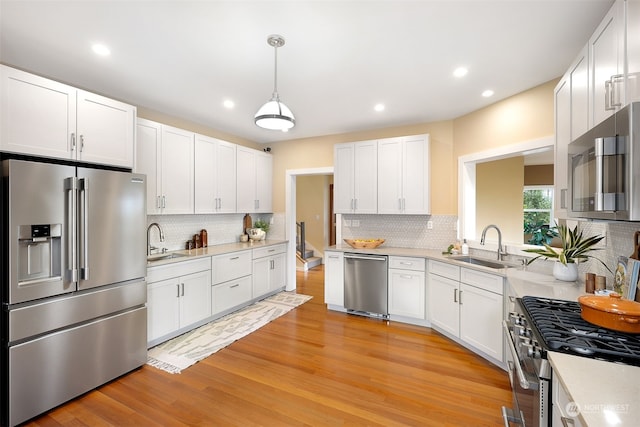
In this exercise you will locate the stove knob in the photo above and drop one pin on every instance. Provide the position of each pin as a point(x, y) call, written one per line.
point(514, 318)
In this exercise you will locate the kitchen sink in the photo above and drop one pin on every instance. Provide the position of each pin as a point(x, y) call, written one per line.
point(482, 262)
point(162, 257)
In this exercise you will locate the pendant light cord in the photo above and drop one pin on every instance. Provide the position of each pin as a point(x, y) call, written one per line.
point(275, 75)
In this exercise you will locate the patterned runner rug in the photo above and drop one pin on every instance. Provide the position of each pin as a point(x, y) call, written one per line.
point(183, 351)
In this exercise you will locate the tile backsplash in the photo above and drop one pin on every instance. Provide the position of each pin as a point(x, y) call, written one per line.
point(221, 228)
point(405, 231)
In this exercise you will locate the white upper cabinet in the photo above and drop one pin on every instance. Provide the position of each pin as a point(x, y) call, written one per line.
point(403, 175)
point(45, 118)
point(166, 155)
point(356, 177)
point(571, 121)
point(606, 64)
point(632, 84)
point(254, 181)
point(148, 152)
point(215, 176)
point(105, 130)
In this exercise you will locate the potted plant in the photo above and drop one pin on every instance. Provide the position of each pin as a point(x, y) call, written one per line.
point(261, 224)
point(575, 248)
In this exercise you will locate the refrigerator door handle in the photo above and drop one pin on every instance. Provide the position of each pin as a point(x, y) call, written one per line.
point(70, 187)
point(84, 223)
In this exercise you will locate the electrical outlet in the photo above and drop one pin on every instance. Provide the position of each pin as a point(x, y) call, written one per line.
point(355, 223)
point(429, 225)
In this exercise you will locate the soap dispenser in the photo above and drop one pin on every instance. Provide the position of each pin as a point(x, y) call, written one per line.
point(465, 247)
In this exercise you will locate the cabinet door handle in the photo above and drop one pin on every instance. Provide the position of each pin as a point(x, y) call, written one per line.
point(182, 285)
point(607, 95)
point(400, 204)
point(178, 287)
point(158, 202)
point(233, 258)
point(455, 295)
point(567, 422)
point(460, 296)
point(234, 286)
point(333, 256)
point(164, 202)
point(81, 143)
point(406, 276)
point(405, 263)
point(73, 141)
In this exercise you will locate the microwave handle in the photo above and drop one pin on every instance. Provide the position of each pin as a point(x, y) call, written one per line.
point(605, 146)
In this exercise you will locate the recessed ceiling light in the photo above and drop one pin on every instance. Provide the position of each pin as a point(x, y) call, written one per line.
point(487, 93)
point(100, 49)
point(379, 107)
point(460, 72)
point(228, 104)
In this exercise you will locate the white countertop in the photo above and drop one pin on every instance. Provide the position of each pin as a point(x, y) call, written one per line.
point(213, 250)
point(607, 394)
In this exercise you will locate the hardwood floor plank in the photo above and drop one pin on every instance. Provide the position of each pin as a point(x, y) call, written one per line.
point(310, 367)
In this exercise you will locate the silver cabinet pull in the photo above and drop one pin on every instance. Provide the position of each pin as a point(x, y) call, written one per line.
point(178, 288)
point(460, 296)
point(234, 286)
point(73, 141)
point(81, 143)
point(182, 285)
point(233, 258)
point(455, 295)
point(567, 422)
point(164, 202)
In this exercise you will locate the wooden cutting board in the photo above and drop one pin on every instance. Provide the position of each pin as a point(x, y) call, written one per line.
point(636, 246)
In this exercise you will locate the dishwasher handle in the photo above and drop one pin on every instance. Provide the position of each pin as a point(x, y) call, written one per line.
point(365, 257)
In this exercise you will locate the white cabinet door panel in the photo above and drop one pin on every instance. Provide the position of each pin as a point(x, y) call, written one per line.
point(481, 319)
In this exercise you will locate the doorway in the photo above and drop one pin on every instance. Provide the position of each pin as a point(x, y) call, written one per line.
point(290, 216)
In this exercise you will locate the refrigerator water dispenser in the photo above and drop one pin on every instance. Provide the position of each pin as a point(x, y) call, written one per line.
point(39, 252)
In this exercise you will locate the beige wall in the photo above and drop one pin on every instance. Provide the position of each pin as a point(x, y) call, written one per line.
point(522, 117)
point(499, 200)
point(538, 175)
point(311, 207)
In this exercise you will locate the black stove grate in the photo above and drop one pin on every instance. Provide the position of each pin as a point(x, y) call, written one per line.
point(560, 326)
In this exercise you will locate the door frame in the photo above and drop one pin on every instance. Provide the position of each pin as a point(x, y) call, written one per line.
point(290, 216)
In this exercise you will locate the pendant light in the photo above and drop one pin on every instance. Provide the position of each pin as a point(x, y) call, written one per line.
point(274, 115)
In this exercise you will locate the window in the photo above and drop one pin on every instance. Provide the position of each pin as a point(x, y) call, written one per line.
point(538, 214)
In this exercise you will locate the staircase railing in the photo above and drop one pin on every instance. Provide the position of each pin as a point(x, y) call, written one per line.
point(300, 239)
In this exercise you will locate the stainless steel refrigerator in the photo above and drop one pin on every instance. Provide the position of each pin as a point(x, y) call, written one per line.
point(73, 282)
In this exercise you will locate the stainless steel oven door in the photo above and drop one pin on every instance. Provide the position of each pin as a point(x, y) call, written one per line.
point(529, 391)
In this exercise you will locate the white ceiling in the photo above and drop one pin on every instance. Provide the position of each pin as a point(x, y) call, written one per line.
point(184, 58)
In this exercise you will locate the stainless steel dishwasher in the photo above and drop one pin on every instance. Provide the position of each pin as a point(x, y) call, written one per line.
point(365, 284)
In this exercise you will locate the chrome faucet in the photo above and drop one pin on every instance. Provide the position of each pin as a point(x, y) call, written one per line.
point(484, 233)
point(149, 247)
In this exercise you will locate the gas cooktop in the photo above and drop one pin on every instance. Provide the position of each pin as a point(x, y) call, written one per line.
point(562, 329)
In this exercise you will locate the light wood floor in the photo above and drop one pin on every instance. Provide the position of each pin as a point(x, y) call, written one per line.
point(310, 367)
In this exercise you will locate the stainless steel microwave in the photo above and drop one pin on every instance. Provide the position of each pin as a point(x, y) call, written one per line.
point(604, 169)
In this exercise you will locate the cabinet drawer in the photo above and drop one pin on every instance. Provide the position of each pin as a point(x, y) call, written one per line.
point(269, 250)
point(230, 266)
point(230, 294)
point(177, 269)
point(407, 263)
point(486, 281)
point(445, 270)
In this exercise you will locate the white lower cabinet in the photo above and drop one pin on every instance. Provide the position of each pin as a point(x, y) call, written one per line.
point(561, 405)
point(334, 278)
point(468, 305)
point(269, 269)
point(407, 287)
point(228, 295)
point(178, 296)
point(231, 280)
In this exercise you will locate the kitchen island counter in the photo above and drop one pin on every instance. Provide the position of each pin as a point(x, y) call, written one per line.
point(600, 393)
